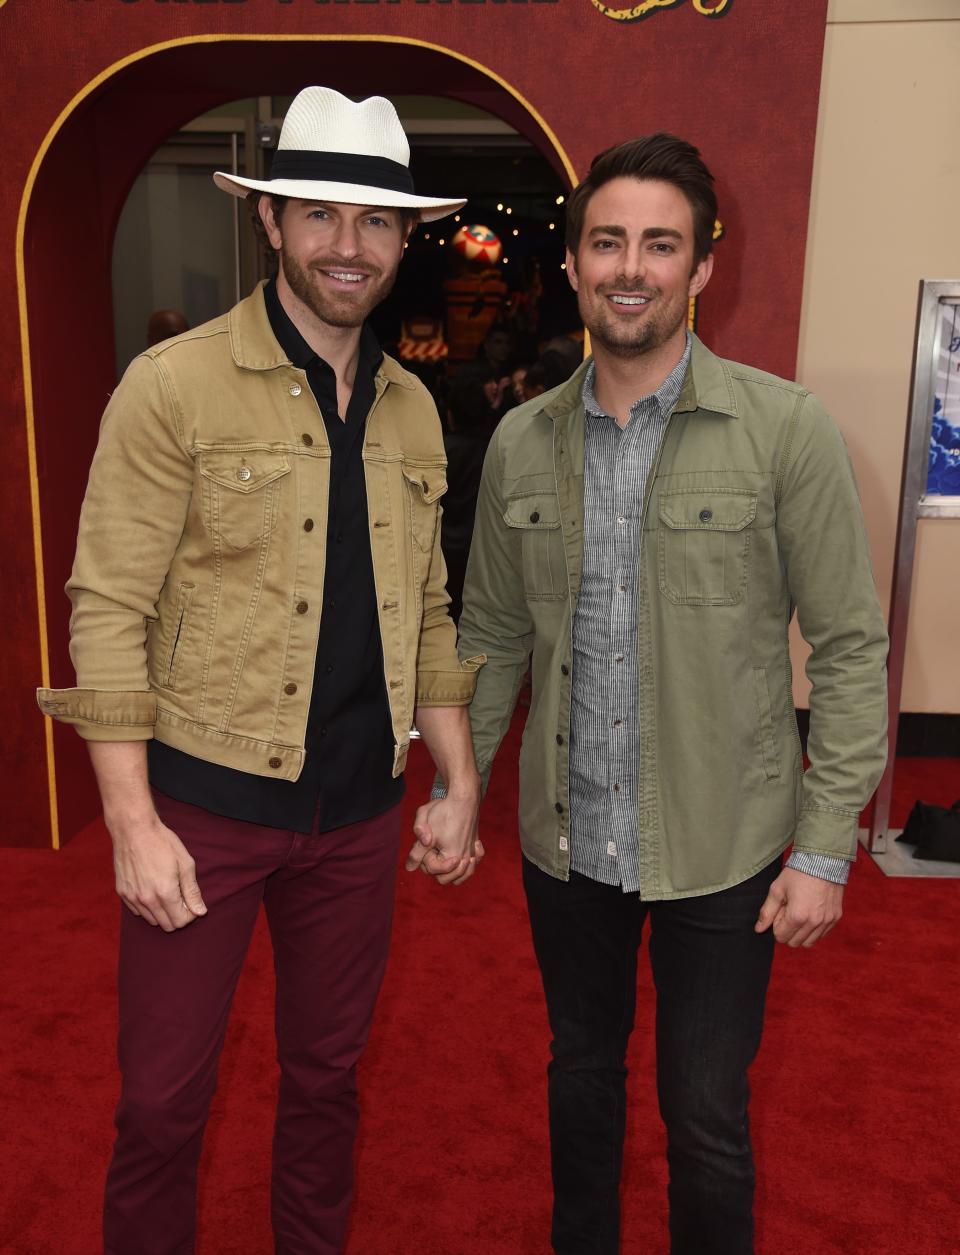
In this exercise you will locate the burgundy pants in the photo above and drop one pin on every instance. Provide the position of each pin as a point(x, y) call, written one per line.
point(329, 905)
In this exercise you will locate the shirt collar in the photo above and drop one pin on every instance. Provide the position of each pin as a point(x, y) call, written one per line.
point(296, 348)
point(666, 395)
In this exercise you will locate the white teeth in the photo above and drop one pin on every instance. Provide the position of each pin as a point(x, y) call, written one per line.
point(630, 300)
point(347, 278)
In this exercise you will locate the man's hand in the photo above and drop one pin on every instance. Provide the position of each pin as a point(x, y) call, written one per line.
point(447, 844)
point(800, 908)
point(156, 877)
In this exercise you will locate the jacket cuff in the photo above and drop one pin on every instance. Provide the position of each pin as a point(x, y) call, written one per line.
point(449, 688)
point(99, 715)
point(827, 830)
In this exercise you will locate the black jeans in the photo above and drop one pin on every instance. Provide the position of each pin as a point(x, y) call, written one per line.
point(711, 972)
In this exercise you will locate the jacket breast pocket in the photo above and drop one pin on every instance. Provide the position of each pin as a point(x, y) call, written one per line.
point(241, 493)
point(425, 485)
point(703, 543)
point(536, 516)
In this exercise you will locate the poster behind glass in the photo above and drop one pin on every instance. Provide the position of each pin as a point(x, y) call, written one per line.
point(943, 472)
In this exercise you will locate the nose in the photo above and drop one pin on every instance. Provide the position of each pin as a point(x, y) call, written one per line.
point(635, 262)
point(346, 242)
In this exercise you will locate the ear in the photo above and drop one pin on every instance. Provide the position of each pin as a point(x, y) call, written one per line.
point(701, 275)
point(572, 271)
point(265, 210)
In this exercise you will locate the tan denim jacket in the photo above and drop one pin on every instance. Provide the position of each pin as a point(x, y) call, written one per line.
point(751, 510)
point(198, 579)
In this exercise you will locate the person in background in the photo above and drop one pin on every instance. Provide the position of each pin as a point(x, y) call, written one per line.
point(647, 529)
point(164, 324)
point(259, 612)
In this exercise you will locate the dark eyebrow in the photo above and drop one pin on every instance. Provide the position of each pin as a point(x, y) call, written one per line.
point(650, 233)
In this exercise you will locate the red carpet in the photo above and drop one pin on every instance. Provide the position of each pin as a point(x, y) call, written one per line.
point(856, 1092)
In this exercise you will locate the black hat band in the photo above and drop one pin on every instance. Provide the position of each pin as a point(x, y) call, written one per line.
point(298, 163)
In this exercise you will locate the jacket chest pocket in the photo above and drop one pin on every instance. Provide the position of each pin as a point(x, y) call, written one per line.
point(424, 486)
point(241, 493)
point(536, 517)
point(702, 545)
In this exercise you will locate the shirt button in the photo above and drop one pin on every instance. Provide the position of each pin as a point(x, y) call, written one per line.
point(619, 658)
point(564, 669)
point(616, 788)
point(621, 518)
point(559, 739)
point(535, 517)
point(295, 389)
point(558, 808)
point(244, 474)
point(275, 763)
point(617, 723)
point(706, 516)
point(328, 669)
point(323, 732)
point(563, 843)
point(307, 438)
point(302, 607)
point(308, 525)
point(290, 689)
point(611, 849)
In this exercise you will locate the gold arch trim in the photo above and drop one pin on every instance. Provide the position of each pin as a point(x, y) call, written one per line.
point(105, 74)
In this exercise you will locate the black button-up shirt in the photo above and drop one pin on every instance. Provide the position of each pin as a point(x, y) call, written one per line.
point(349, 743)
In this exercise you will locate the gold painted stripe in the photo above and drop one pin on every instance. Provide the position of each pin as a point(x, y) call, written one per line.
point(112, 69)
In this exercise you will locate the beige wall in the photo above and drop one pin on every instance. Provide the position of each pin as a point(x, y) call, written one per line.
point(885, 213)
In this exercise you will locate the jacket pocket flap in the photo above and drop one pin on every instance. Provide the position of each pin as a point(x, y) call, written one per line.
point(242, 470)
point(535, 511)
point(430, 481)
point(711, 511)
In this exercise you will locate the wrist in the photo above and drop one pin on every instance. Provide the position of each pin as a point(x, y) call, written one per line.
point(464, 788)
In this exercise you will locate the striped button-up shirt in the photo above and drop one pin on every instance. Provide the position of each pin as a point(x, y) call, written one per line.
point(604, 725)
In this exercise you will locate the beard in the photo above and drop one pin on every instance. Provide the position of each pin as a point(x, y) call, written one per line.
point(621, 339)
point(336, 309)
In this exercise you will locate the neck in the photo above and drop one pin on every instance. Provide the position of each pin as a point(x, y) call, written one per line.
point(338, 346)
point(621, 381)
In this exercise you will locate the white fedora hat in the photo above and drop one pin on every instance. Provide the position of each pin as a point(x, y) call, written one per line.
point(335, 149)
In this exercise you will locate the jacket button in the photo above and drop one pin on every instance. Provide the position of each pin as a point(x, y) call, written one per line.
point(535, 517)
point(558, 808)
point(244, 474)
point(276, 762)
point(706, 516)
point(559, 739)
point(302, 607)
point(290, 689)
point(307, 438)
point(295, 389)
point(564, 669)
point(308, 525)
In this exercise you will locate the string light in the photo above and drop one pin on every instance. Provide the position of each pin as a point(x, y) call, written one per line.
point(442, 242)
point(509, 210)
point(553, 226)
point(563, 265)
point(500, 207)
point(505, 260)
point(515, 231)
point(426, 235)
point(559, 200)
point(456, 217)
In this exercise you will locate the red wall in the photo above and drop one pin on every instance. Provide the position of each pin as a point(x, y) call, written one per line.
point(743, 86)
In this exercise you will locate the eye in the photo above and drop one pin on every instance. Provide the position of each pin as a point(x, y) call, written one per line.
point(319, 214)
point(604, 245)
point(661, 246)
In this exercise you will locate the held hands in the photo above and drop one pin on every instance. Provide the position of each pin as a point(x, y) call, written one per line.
point(800, 908)
point(447, 846)
point(156, 877)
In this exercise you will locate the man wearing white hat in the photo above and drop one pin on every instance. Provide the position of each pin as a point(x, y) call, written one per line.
point(259, 613)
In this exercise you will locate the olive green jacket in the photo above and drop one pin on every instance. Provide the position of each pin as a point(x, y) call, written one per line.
point(751, 511)
point(198, 580)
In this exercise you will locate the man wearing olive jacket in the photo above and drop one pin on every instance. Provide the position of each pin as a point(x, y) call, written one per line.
point(646, 530)
point(259, 614)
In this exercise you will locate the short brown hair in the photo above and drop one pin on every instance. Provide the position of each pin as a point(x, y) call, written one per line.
point(660, 156)
point(408, 217)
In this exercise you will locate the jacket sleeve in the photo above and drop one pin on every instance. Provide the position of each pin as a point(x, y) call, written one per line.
point(496, 619)
point(442, 678)
point(827, 562)
point(132, 518)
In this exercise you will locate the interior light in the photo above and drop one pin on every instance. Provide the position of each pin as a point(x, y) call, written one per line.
point(559, 200)
point(426, 235)
point(563, 265)
point(515, 231)
point(456, 217)
point(509, 210)
point(553, 226)
point(442, 242)
point(500, 206)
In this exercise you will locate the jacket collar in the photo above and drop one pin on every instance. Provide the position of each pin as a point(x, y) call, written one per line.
point(255, 347)
point(707, 386)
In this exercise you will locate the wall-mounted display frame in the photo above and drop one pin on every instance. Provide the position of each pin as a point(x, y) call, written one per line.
point(930, 487)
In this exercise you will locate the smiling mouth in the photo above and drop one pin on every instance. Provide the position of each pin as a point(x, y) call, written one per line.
point(346, 276)
point(629, 300)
